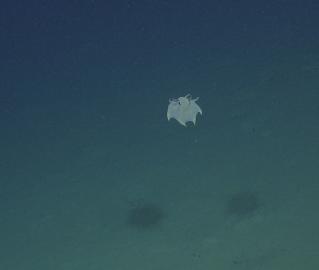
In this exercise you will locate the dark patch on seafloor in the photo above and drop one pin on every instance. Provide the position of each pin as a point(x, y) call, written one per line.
point(243, 204)
point(145, 216)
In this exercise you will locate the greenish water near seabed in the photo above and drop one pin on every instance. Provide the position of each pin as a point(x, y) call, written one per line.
point(93, 176)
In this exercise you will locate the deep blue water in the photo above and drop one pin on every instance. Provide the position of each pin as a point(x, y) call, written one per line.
point(93, 176)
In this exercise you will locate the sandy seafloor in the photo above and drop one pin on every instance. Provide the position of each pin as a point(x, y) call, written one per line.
point(74, 166)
